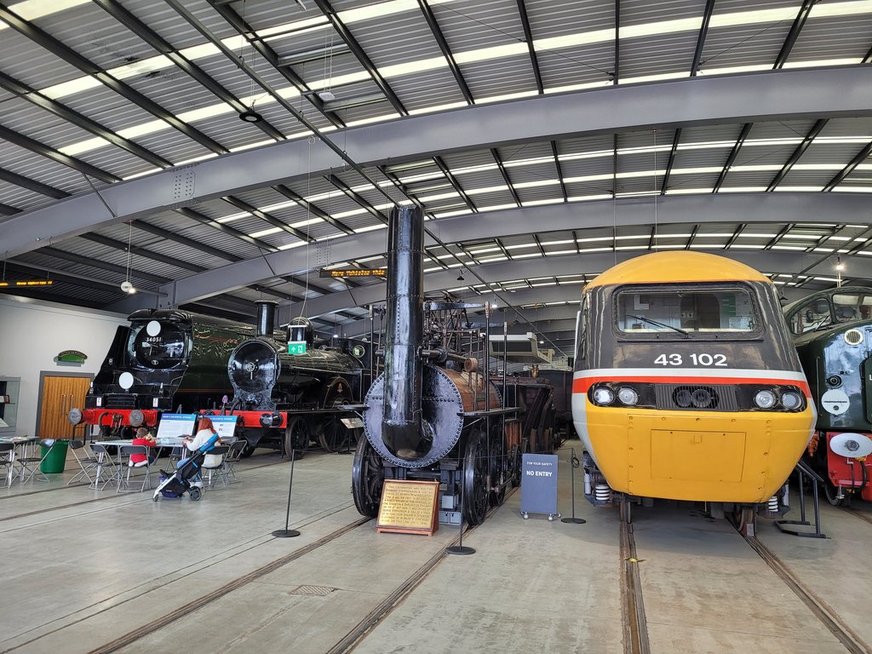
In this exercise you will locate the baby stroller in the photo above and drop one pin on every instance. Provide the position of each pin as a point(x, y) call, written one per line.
point(175, 484)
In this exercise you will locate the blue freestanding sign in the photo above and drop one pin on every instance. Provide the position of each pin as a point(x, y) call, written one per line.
point(539, 485)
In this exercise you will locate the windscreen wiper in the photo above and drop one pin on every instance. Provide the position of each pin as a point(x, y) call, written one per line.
point(657, 323)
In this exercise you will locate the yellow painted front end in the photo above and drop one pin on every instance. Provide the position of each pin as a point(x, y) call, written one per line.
point(694, 455)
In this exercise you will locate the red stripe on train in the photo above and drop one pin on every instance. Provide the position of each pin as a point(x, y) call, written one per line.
point(582, 384)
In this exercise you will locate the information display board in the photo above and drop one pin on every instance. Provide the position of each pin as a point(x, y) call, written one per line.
point(408, 507)
point(176, 425)
point(539, 484)
point(224, 425)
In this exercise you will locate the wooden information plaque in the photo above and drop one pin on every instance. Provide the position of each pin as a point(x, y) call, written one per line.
point(409, 507)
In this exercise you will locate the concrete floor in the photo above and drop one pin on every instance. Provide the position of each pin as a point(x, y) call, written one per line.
point(88, 567)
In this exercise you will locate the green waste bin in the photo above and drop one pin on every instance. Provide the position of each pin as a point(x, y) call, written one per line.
point(55, 460)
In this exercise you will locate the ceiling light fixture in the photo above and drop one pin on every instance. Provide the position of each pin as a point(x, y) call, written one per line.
point(839, 265)
point(250, 116)
point(127, 286)
point(460, 277)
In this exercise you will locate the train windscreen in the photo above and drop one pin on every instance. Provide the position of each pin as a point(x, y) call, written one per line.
point(160, 345)
point(689, 312)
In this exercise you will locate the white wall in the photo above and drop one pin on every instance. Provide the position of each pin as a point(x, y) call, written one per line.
point(33, 333)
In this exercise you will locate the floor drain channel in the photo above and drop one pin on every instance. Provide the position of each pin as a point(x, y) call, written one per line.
point(312, 590)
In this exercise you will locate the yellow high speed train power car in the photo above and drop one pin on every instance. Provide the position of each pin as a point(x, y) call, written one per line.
point(686, 382)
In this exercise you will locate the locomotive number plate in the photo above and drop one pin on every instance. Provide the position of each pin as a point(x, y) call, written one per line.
point(703, 359)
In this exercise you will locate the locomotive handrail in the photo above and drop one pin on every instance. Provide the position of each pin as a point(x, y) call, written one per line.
point(804, 467)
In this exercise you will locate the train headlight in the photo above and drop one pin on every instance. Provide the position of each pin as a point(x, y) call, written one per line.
point(765, 399)
point(75, 416)
point(603, 396)
point(791, 401)
point(853, 337)
point(628, 396)
point(136, 418)
point(683, 397)
point(702, 398)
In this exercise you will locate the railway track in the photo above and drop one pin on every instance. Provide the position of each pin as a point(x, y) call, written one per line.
point(862, 515)
point(345, 644)
point(822, 610)
point(632, 605)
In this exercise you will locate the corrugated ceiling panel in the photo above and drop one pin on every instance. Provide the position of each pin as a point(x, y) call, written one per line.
point(532, 194)
point(550, 18)
point(488, 79)
point(174, 90)
point(260, 198)
point(268, 13)
point(20, 197)
point(108, 108)
point(472, 24)
point(427, 89)
point(225, 71)
point(637, 12)
point(747, 179)
point(579, 65)
point(41, 169)
point(540, 173)
point(330, 68)
point(833, 38)
point(172, 145)
point(36, 67)
point(95, 35)
point(583, 189)
point(743, 45)
point(587, 167)
point(678, 182)
point(711, 133)
point(814, 178)
point(230, 131)
point(173, 28)
point(828, 154)
point(671, 53)
point(403, 37)
point(861, 126)
point(585, 144)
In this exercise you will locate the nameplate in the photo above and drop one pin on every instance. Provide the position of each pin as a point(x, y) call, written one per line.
point(408, 507)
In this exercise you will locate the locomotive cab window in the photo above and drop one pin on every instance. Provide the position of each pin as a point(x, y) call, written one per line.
point(700, 312)
point(821, 312)
point(160, 348)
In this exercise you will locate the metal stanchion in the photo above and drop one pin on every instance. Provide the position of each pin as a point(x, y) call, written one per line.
point(288, 533)
point(460, 548)
point(574, 463)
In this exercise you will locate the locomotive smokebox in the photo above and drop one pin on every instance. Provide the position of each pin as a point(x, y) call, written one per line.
point(404, 433)
point(266, 317)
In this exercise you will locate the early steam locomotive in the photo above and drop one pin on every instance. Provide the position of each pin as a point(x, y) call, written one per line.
point(832, 332)
point(687, 385)
point(164, 361)
point(284, 400)
point(430, 415)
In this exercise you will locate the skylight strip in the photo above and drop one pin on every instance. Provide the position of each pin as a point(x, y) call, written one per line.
point(32, 9)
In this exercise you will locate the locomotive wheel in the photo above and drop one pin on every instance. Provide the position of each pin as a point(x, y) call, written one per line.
point(475, 474)
point(333, 435)
point(367, 479)
point(298, 433)
point(500, 470)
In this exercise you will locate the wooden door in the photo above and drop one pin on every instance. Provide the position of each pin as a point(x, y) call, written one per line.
point(58, 396)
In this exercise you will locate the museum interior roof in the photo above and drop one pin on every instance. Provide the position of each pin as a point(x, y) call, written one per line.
point(218, 152)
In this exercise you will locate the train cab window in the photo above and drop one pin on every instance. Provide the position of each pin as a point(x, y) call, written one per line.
point(686, 313)
point(161, 349)
point(851, 306)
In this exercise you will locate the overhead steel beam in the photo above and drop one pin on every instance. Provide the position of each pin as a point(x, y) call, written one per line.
point(701, 37)
point(531, 49)
point(32, 185)
point(793, 34)
point(73, 58)
point(731, 158)
point(779, 95)
point(797, 153)
point(787, 262)
point(433, 24)
point(776, 208)
point(8, 210)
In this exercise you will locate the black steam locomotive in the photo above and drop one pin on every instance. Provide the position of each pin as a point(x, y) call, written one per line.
point(285, 400)
point(832, 331)
point(431, 415)
point(164, 361)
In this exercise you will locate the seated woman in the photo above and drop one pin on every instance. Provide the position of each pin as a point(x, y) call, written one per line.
point(207, 431)
point(142, 437)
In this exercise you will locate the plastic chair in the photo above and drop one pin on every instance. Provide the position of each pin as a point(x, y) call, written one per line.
point(126, 451)
point(217, 468)
point(87, 462)
point(234, 454)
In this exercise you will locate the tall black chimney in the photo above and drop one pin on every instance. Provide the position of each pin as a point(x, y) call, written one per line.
point(266, 317)
point(402, 428)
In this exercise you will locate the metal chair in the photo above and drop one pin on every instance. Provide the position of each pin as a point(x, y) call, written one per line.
point(7, 460)
point(127, 451)
point(107, 470)
point(29, 464)
point(217, 468)
point(234, 454)
point(87, 462)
